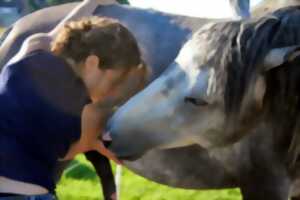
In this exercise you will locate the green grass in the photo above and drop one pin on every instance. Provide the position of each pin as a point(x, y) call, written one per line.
point(80, 182)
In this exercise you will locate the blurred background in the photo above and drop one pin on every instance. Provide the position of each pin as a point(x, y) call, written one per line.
point(11, 10)
point(79, 181)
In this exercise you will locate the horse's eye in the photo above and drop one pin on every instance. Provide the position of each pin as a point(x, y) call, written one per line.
point(195, 101)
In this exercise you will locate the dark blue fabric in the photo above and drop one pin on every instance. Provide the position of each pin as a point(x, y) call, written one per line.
point(41, 101)
point(33, 197)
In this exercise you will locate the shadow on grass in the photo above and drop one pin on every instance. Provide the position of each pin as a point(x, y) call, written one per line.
point(78, 170)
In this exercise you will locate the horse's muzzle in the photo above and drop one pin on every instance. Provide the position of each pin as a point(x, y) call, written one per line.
point(107, 140)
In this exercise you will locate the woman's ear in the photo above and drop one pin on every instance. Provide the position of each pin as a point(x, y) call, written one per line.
point(92, 62)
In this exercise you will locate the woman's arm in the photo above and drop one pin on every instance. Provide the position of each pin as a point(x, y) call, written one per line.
point(94, 117)
point(43, 40)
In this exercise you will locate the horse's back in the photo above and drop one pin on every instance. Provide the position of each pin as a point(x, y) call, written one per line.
point(159, 35)
point(40, 21)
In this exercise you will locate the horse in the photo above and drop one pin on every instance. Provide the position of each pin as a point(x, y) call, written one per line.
point(233, 89)
point(160, 37)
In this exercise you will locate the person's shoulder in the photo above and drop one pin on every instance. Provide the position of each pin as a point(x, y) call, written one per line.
point(42, 70)
point(36, 59)
point(41, 65)
point(43, 59)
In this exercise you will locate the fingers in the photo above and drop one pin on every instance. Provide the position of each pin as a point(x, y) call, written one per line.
point(104, 151)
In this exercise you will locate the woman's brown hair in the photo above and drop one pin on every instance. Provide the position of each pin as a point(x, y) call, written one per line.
point(103, 37)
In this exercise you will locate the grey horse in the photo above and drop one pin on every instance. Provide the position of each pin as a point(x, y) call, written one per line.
point(160, 37)
point(233, 90)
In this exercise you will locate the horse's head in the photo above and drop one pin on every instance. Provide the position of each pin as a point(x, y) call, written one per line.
point(171, 110)
point(212, 94)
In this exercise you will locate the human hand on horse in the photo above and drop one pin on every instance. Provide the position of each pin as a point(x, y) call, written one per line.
point(94, 117)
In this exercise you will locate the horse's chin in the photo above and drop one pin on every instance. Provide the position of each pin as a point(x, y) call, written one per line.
point(177, 144)
point(130, 158)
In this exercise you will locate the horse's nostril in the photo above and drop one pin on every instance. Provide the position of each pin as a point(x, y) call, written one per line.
point(106, 139)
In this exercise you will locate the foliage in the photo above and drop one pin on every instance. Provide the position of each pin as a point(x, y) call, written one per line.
point(79, 182)
point(123, 1)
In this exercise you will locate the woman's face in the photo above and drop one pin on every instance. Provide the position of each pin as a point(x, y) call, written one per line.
point(118, 84)
point(129, 84)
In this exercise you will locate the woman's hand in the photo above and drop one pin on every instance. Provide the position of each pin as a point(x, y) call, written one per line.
point(94, 117)
point(99, 147)
point(98, 113)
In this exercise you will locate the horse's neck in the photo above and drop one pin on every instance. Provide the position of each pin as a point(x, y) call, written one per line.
point(160, 35)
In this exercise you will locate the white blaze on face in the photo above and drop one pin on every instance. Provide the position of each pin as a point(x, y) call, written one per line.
point(202, 78)
point(187, 61)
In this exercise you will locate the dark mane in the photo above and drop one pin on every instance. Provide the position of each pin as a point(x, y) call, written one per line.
point(239, 50)
point(242, 45)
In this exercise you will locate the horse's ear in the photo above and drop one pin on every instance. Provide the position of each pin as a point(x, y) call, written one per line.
point(275, 58)
point(278, 56)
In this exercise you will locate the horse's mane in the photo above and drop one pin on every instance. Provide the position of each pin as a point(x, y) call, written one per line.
point(239, 50)
point(241, 46)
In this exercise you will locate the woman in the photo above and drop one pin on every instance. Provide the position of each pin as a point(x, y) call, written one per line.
point(54, 105)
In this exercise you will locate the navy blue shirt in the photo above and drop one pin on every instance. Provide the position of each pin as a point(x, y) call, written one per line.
point(41, 101)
